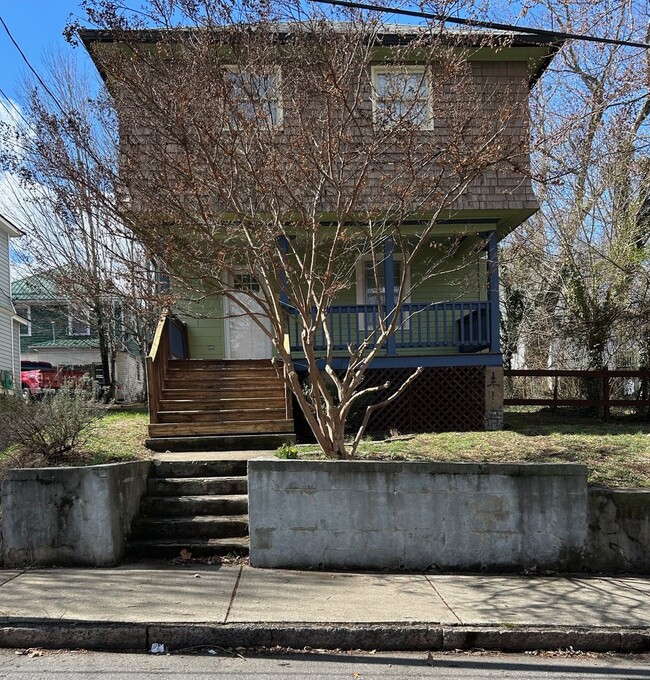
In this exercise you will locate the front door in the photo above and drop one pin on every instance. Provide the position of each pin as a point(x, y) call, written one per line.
point(244, 337)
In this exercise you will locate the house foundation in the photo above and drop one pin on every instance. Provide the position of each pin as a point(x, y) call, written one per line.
point(493, 398)
point(441, 399)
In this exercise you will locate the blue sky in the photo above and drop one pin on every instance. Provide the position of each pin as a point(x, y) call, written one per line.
point(37, 25)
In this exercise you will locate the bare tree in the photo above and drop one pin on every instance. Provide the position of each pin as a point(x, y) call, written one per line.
point(65, 154)
point(580, 265)
point(218, 173)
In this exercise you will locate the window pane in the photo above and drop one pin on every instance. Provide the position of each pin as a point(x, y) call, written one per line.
point(254, 95)
point(375, 284)
point(247, 282)
point(25, 313)
point(79, 322)
point(401, 95)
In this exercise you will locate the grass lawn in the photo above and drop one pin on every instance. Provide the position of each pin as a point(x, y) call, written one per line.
point(117, 436)
point(617, 453)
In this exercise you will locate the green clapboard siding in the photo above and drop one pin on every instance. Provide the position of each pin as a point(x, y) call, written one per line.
point(205, 327)
point(454, 280)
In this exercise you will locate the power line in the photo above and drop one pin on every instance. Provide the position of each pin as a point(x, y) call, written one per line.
point(31, 68)
point(14, 108)
point(476, 23)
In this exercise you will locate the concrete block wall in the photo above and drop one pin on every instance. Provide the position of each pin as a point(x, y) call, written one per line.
point(619, 530)
point(453, 516)
point(70, 516)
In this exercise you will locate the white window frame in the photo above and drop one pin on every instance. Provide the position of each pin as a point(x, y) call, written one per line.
point(379, 69)
point(28, 317)
point(361, 284)
point(71, 318)
point(277, 99)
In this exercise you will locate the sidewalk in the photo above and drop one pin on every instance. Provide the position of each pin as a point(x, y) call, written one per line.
point(133, 606)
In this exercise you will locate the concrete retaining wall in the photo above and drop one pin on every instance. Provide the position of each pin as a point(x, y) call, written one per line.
point(374, 515)
point(619, 530)
point(70, 515)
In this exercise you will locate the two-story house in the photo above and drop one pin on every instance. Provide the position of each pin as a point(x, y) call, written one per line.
point(60, 330)
point(11, 321)
point(407, 164)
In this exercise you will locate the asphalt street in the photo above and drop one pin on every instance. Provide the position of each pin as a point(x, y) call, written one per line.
point(40, 665)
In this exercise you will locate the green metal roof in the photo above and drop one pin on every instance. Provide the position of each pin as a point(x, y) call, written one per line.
point(67, 343)
point(35, 288)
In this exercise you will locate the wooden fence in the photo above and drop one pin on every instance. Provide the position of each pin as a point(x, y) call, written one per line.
point(635, 383)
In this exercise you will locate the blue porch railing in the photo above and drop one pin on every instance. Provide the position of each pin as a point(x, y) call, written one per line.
point(463, 326)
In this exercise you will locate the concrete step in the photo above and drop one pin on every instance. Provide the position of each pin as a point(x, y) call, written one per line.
point(219, 416)
point(227, 442)
point(197, 486)
point(226, 427)
point(198, 468)
point(193, 526)
point(182, 506)
point(198, 547)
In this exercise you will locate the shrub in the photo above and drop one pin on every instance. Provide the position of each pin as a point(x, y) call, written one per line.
point(286, 451)
point(50, 427)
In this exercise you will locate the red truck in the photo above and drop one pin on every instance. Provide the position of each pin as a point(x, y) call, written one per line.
point(38, 378)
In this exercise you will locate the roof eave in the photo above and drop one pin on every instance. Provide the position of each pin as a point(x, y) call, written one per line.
point(10, 227)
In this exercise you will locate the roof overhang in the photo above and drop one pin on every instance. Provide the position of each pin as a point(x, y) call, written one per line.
point(536, 51)
point(9, 227)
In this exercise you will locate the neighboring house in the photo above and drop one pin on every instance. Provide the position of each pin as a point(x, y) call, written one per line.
point(11, 321)
point(453, 331)
point(60, 332)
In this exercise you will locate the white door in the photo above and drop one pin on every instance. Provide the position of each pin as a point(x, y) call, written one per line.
point(244, 337)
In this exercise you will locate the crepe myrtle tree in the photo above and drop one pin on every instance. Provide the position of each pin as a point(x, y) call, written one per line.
point(257, 139)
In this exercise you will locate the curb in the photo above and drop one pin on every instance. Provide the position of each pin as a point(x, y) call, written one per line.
point(381, 637)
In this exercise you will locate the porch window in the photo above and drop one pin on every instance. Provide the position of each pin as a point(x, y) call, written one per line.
point(401, 96)
point(254, 96)
point(374, 284)
point(371, 286)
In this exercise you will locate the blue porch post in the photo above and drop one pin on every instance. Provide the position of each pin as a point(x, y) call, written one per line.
point(493, 291)
point(389, 291)
point(283, 242)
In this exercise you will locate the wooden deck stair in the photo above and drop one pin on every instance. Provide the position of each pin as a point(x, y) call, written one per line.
point(213, 398)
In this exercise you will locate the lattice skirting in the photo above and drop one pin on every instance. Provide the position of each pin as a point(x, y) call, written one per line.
point(439, 400)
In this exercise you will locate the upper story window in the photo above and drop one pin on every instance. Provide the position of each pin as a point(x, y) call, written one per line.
point(401, 95)
point(254, 96)
point(78, 321)
point(26, 312)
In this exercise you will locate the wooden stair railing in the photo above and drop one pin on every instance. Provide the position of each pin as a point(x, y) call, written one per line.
point(170, 342)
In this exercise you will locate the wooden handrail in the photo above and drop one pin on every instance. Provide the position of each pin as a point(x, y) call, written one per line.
point(160, 329)
point(158, 360)
point(157, 365)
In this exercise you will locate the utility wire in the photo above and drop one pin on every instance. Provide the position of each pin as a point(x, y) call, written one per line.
point(10, 106)
point(476, 23)
point(31, 68)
